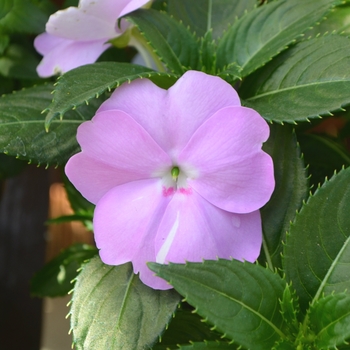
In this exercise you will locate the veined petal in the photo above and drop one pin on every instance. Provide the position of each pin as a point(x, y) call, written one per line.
point(193, 229)
point(115, 150)
point(172, 116)
point(233, 172)
point(62, 55)
point(126, 220)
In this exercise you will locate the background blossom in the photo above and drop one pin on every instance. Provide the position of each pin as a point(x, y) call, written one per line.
point(78, 35)
point(175, 174)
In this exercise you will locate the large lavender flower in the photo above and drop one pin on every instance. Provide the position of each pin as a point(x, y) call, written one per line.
point(175, 174)
point(78, 35)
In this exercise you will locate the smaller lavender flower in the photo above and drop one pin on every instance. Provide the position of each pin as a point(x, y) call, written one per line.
point(176, 175)
point(79, 35)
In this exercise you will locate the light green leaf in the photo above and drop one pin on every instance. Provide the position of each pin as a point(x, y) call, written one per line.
point(264, 32)
point(202, 15)
point(330, 320)
point(55, 278)
point(112, 309)
point(290, 309)
point(85, 83)
point(290, 190)
point(308, 80)
point(239, 299)
point(173, 43)
point(317, 251)
point(232, 73)
point(22, 132)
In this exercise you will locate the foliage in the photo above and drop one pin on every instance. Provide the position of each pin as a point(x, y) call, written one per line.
point(290, 61)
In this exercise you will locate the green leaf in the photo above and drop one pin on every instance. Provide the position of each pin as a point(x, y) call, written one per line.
point(232, 73)
point(264, 32)
point(337, 20)
point(323, 155)
point(185, 327)
point(239, 299)
point(22, 16)
point(330, 320)
point(286, 345)
point(174, 44)
point(55, 278)
point(4, 41)
point(310, 79)
point(19, 62)
point(202, 15)
point(79, 204)
point(22, 132)
point(70, 218)
point(10, 166)
point(317, 251)
point(85, 83)
point(290, 309)
point(210, 345)
point(290, 190)
point(207, 54)
point(112, 309)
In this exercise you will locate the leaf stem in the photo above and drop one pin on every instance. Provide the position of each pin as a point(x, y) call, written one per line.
point(210, 7)
point(267, 254)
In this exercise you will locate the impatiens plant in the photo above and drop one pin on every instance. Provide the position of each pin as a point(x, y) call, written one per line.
point(217, 185)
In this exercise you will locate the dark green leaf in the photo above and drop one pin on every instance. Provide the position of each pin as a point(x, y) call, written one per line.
point(286, 345)
point(323, 155)
point(22, 16)
point(210, 345)
point(207, 54)
point(239, 299)
point(317, 251)
point(184, 328)
point(55, 278)
point(310, 79)
point(290, 190)
point(22, 131)
point(202, 15)
point(79, 204)
point(330, 320)
point(19, 63)
point(173, 43)
point(264, 32)
point(10, 166)
point(4, 41)
point(85, 83)
point(337, 20)
point(112, 309)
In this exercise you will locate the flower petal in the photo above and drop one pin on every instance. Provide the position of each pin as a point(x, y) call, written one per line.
point(115, 150)
point(193, 229)
point(62, 55)
point(233, 172)
point(125, 223)
point(172, 116)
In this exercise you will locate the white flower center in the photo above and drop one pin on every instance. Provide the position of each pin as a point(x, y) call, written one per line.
point(176, 178)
